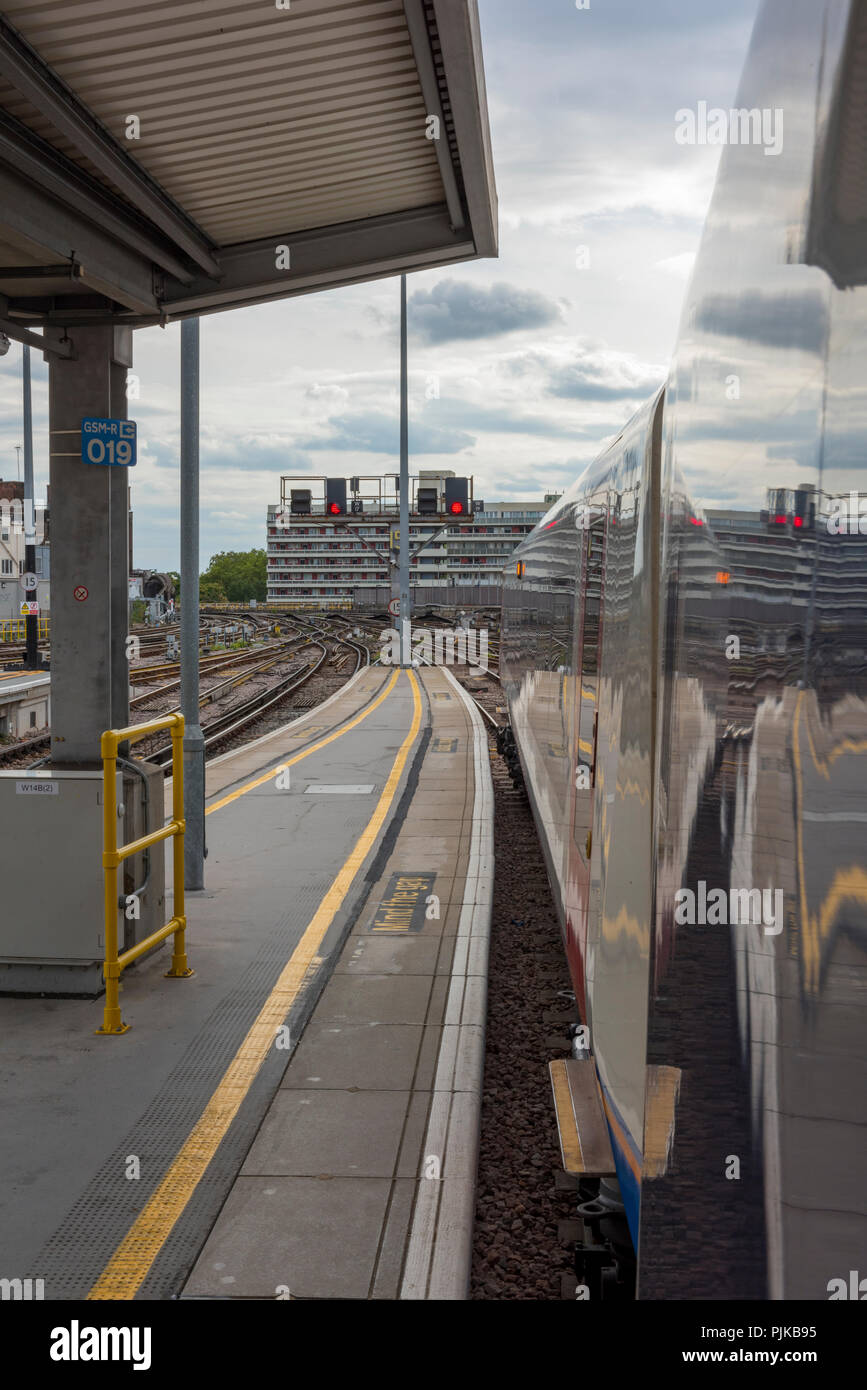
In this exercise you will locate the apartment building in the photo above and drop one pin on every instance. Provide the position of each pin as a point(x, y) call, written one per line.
point(320, 558)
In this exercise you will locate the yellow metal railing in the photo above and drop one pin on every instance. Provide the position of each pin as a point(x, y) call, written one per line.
point(15, 629)
point(113, 857)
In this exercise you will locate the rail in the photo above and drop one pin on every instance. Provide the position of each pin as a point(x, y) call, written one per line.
point(113, 856)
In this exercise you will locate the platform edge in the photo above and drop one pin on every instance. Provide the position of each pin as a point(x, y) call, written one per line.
point(439, 1251)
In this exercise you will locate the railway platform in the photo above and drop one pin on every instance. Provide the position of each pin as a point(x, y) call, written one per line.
point(25, 702)
point(300, 1118)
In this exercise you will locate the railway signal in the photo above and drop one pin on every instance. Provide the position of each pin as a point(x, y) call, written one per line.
point(427, 501)
point(804, 515)
point(335, 496)
point(457, 496)
point(299, 502)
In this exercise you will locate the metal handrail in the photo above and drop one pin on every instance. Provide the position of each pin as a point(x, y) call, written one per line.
point(113, 856)
point(15, 629)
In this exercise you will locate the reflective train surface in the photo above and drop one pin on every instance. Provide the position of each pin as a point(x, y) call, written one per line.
point(684, 651)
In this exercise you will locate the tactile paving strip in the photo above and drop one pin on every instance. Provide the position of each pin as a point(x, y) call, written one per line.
point(74, 1257)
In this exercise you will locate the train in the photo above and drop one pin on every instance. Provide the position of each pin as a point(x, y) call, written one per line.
point(684, 659)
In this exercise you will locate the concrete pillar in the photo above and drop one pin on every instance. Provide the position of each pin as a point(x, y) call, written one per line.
point(89, 549)
point(120, 561)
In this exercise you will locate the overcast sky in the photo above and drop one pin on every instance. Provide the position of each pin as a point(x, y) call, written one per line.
point(538, 359)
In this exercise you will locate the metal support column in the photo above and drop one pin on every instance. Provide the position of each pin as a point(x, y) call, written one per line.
point(194, 739)
point(405, 613)
point(31, 622)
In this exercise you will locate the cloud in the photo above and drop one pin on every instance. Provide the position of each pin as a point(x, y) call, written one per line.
point(494, 419)
point(455, 309)
point(680, 266)
point(327, 395)
point(375, 432)
point(586, 382)
point(797, 321)
point(585, 370)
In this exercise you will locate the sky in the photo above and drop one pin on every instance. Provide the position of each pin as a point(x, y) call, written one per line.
point(520, 368)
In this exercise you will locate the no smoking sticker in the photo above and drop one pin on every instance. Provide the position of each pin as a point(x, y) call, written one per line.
point(79, 593)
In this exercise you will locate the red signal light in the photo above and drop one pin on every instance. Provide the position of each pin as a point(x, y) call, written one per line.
point(779, 520)
point(334, 509)
point(457, 508)
point(797, 521)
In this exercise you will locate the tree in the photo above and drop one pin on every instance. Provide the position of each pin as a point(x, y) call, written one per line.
point(211, 590)
point(242, 575)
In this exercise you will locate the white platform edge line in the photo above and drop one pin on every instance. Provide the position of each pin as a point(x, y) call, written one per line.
point(439, 1254)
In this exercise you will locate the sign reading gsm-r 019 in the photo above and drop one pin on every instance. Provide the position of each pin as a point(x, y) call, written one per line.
point(109, 442)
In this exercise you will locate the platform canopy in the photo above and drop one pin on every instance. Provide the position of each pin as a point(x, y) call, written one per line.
point(257, 130)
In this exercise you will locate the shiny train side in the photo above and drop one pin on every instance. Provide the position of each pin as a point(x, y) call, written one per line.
point(684, 655)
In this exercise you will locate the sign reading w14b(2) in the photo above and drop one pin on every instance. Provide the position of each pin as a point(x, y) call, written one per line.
point(110, 442)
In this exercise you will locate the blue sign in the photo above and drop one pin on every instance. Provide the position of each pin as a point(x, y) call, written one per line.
point(109, 442)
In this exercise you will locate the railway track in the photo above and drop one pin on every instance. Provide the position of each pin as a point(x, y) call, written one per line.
point(236, 720)
point(151, 640)
point(240, 717)
point(208, 696)
point(215, 661)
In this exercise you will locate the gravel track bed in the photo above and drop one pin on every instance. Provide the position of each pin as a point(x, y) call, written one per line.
point(26, 756)
point(302, 702)
point(256, 685)
point(520, 1251)
point(157, 703)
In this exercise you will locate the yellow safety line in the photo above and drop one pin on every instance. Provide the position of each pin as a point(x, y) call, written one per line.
point(128, 1266)
point(314, 748)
